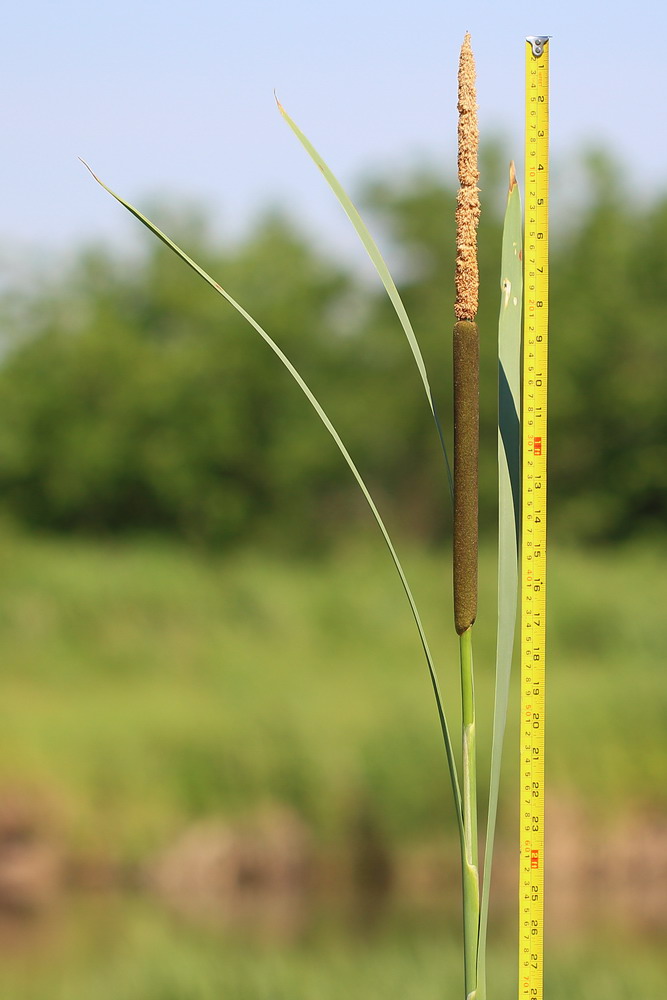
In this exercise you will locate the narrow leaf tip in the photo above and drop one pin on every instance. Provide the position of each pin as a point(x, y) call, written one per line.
point(279, 105)
point(88, 168)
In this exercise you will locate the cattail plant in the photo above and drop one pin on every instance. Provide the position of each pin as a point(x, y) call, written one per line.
point(463, 483)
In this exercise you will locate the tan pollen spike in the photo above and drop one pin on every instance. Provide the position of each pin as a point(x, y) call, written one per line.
point(467, 207)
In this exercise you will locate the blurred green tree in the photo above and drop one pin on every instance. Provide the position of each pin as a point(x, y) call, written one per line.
point(135, 402)
point(131, 399)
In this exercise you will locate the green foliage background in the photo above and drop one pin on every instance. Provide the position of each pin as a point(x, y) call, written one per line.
point(132, 400)
point(148, 686)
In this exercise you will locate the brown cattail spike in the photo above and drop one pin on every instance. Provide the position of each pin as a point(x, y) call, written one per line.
point(467, 207)
point(466, 449)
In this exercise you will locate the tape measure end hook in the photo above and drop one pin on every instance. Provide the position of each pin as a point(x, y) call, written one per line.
point(538, 43)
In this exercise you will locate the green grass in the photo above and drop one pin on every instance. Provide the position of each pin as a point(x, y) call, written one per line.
point(107, 952)
point(145, 685)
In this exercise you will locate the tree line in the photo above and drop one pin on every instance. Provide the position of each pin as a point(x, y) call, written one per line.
point(132, 399)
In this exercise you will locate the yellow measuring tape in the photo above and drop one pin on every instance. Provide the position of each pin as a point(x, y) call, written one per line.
point(534, 519)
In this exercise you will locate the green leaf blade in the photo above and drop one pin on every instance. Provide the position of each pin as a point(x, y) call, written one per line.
point(380, 266)
point(509, 473)
point(314, 402)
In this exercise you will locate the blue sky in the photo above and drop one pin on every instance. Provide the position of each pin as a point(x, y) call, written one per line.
point(177, 101)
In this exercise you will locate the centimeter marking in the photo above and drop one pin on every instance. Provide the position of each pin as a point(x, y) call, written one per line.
point(534, 520)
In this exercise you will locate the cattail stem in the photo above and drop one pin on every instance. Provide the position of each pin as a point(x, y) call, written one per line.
point(470, 861)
